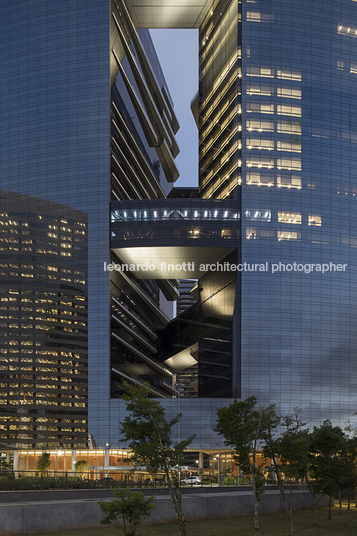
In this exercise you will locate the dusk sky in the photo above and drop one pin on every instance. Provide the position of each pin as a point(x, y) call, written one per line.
point(178, 54)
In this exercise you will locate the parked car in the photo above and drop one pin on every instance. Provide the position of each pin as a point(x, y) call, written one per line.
point(193, 480)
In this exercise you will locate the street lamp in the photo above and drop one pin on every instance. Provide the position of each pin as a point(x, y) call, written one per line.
point(96, 465)
point(219, 463)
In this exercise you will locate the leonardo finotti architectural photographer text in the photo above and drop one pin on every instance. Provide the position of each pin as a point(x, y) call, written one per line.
point(306, 268)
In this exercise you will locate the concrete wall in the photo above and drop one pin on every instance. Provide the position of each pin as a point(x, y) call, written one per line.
point(45, 516)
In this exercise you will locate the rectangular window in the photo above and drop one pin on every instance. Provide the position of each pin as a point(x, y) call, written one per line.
point(253, 16)
point(260, 126)
point(289, 146)
point(260, 162)
point(259, 179)
point(293, 111)
point(287, 235)
point(260, 108)
point(256, 143)
point(289, 163)
point(315, 219)
point(288, 93)
point(289, 181)
point(289, 127)
point(289, 217)
point(289, 74)
point(262, 72)
point(259, 90)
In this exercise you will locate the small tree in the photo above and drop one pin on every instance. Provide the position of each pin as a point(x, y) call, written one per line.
point(327, 446)
point(127, 510)
point(289, 453)
point(81, 466)
point(148, 432)
point(4, 466)
point(243, 427)
point(43, 463)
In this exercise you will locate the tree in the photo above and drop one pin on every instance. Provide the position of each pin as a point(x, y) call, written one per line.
point(5, 466)
point(43, 463)
point(289, 453)
point(81, 466)
point(148, 432)
point(327, 462)
point(242, 427)
point(126, 510)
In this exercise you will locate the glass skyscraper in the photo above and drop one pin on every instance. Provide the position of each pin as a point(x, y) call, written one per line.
point(87, 170)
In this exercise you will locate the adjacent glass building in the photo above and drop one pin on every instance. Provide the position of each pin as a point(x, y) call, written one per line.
point(87, 170)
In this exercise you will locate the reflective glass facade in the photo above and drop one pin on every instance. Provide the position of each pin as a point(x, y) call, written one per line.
point(298, 152)
point(87, 161)
point(54, 120)
point(281, 137)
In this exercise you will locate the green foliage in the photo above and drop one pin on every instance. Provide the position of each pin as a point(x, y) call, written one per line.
point(332, 460)
point(244, 427)
point(81, 466)
point(148, 432)
point(4, 466)
point(127, 509)
point(43, 463)
point(291, 448)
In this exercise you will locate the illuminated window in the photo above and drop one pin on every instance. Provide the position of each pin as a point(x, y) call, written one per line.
point(250, 234)
point(288, 74)
point(258, 215)
point(289, 146)
point(262, 72)
point(289, 217)
point(293, 111)
point(253, 16)
point(315, 219)
point(289, 93)
point(340, 65)
point(259, 179)
point(260, 108)
point(259, 90)
point(351, 31)
point(289, 127)
point(260, 163)
point(287, 235)
point(260, 126)
point(289, 181)
point(253, 143)
point(289, 163)
point(353, 68)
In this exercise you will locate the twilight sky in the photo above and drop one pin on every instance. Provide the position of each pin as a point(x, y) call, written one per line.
point(178, 54)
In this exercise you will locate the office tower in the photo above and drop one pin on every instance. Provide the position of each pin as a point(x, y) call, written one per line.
point(88, 136)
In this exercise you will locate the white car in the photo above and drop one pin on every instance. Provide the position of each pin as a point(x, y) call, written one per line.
point(195, 480)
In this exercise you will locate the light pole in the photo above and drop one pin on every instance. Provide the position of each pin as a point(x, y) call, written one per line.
point(219, 463)
point(96, 465)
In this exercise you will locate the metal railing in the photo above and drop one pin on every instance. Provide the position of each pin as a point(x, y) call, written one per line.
point(34, 480)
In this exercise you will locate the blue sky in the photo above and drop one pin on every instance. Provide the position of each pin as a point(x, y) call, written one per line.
point(178, 54)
